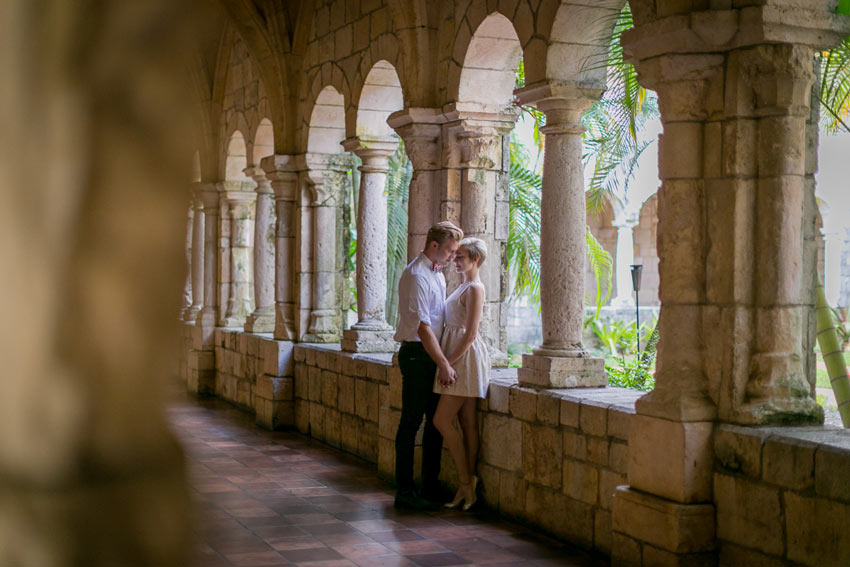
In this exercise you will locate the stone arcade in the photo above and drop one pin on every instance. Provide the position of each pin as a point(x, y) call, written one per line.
point(725, 462)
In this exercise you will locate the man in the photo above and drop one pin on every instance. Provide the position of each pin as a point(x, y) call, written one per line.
point(421, 299)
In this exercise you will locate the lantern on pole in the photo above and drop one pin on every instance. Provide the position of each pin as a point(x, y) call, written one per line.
point(636, 271)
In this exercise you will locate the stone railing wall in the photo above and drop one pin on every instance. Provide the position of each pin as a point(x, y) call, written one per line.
point(782, 495)
point(552, 458)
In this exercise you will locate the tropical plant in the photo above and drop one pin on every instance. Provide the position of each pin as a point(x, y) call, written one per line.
point(833, 356)
point(398, 187)
point(611, 140)
point(834, 91)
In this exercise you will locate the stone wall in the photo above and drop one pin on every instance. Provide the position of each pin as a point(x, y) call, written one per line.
point(782, 495)
point(554, 458)
point(551, 458)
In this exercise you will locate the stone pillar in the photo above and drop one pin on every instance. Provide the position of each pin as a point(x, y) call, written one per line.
point(197, 255)
point(240, 203)
point(421, 131)
point(562, 361)
point(477, 159)
point(736, 284)
point(624, 260)
point(371, 333)
point(262, 320)
point(326, 174)
point(186, 299)
point(281, 172)
point(202, 367)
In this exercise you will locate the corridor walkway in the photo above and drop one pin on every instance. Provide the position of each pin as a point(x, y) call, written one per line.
point(268, 498)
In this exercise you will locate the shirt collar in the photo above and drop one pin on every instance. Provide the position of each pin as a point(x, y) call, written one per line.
point(433, 267)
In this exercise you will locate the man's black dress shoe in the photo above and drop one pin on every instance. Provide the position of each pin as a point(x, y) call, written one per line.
point(409, 500)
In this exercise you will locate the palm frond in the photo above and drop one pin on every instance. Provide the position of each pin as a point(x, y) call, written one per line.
point(398, 186)
point(834, 92)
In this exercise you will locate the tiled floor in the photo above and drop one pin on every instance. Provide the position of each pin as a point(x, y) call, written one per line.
point(268, 498)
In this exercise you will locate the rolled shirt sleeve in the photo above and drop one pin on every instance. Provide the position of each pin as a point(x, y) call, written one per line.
point(420, 301)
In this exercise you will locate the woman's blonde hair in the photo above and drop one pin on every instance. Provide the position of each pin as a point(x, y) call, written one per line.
point(443, 231)
point(475, 249)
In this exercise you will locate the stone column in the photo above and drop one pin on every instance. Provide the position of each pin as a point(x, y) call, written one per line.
point(187, 282)
point(421, 131)
point(202, 367)
point(476, 161)
point(625, 258)
point(262, 320)
point(282, 173)
point(197, 255)
point(371, 333)
point(240, 202)
point(562, 361)
point(326, 173)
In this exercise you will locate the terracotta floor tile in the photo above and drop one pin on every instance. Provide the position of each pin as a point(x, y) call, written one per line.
point(278, 498)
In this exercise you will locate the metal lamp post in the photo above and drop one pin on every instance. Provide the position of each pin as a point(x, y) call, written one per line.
point(636, 271)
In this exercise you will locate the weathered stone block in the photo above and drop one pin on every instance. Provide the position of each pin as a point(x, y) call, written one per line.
point(395, 390)
point(548, 408)
point(739, 449)
point(302, 417)
point(625, 551)
point(748, 514)
point(618, 457)
point(608, 483)
point(388, 422)
point(680, 528)
point(278, 357)
point(366, 400)
point(581, 481)
point(314, 378)
point(569, 414)
point(512, 488)
point(377, 372)
point(299, 353)
point(575, 446)
point(790, 463)
point(832, 472)
point(348, 432)
point(273, 388)
point(523, 402)
point(498, 398)
point(329, 388)
point(310, 356)
point(272, 414)
point(619, 422)
point(542, 455)
point(490, 480)
point(317, 421)
point(501, 442)
point(679, 467)
point(332, 427)
point(597, 450)
point(367, 444)
point(561, 372)
point(386, 458)
point(817, 531)
point(602, 530)
point(734, 555)
point(345, 400)
point(593, 417)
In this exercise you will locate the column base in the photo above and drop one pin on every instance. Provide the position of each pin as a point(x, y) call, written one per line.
point(324, 326)
point(649, 530)
point(191, 313)
point(260, 321)
point(368, 340)
point(541, 371)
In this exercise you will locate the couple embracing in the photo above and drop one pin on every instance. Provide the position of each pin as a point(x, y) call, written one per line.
point(444, 365)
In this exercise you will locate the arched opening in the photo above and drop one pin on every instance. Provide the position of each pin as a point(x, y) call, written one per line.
point(327, 123)
point(380, 97)
point(237, 158)
point(489, 69)
point(263, 141)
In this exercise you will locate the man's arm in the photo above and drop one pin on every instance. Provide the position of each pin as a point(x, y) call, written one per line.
point(447, 375)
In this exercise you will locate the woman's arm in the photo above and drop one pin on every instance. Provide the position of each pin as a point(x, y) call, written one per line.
point(475, 296)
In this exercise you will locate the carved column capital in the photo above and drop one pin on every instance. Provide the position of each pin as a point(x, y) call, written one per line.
point(373, 152)
point(421, 130)
point(476, 137)
point(282, 173)
point(258, 174)
point(325, 173)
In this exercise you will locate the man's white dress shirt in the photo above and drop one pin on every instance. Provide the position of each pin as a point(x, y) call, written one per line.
point(421, 299)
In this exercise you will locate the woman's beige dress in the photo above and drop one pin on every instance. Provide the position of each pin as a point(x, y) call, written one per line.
point(473, 367)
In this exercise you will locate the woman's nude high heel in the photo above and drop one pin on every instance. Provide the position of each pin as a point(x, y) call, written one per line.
point(466, 493)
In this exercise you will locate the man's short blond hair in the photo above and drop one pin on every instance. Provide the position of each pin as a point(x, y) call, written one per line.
point(442, 232)
point(475, 248)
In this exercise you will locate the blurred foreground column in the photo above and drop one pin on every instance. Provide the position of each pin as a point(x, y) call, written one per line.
point(91, 474)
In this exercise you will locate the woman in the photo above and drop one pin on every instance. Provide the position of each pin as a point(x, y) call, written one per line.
point(468, 355)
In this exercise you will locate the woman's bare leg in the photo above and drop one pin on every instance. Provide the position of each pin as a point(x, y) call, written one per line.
point(447, 409)
point(468, 418)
